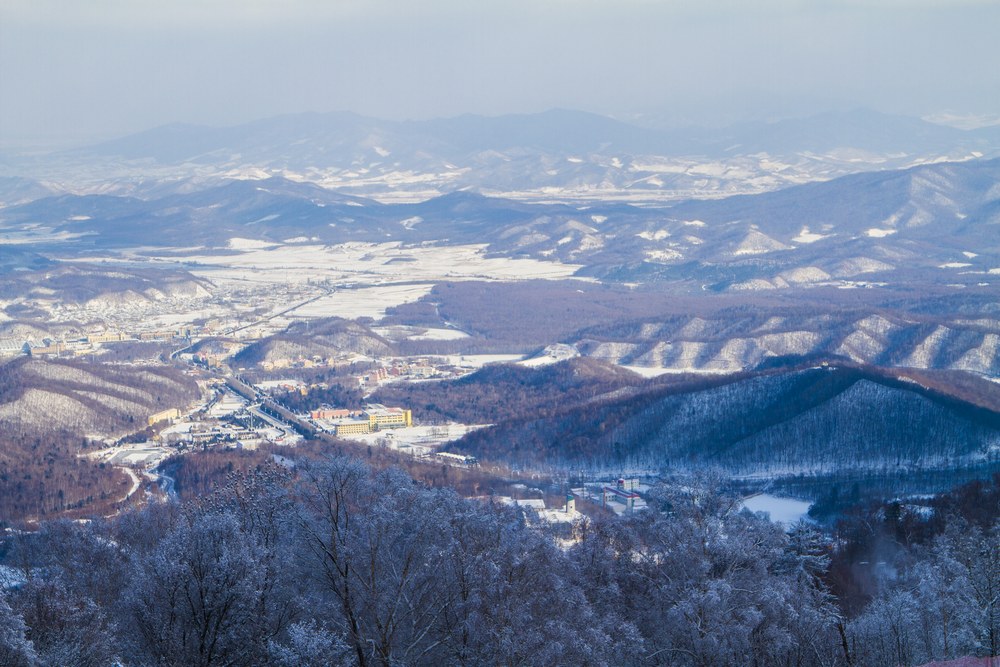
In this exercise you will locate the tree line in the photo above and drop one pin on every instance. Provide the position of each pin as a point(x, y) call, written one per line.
point(334, 563)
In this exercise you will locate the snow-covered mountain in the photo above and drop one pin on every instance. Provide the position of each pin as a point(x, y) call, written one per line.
point(935, 224)
point(559, 154)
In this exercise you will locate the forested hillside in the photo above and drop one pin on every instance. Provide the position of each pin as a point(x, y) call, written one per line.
point(50, 412)
point(501, 392)
point(331, 563)
point(778, 422)
point(320, 338)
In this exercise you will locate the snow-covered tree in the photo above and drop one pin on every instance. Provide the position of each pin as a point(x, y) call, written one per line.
point(195, 599)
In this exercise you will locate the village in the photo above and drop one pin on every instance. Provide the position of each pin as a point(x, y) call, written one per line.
point(242, 410)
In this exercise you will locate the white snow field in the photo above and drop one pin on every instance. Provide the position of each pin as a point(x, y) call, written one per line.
point(785, 511)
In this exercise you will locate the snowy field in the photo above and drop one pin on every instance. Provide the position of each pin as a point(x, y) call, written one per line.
point(785, 511)
point(146, 456)
point(401, 332)
point(416, 440)
point(370, 263)
point(346, 280)
point(225, 406)
point(475, 361)
point(362, 302)
point(552, 354)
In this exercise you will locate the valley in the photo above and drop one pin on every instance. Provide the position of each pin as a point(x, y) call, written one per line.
point(699, 315)
point(521, 334)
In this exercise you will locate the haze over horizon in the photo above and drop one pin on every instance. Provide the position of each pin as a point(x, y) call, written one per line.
point(73, 73)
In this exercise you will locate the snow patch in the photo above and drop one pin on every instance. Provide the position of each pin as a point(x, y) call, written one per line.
point(982, 359)
point(856, 266)
point(757, 242)
point(924, 353)
point(552, 354)
point(805, 274)
point(663, 255)
point(237, 243)
point(657, 235)
point(785, 511)
point(805, 236)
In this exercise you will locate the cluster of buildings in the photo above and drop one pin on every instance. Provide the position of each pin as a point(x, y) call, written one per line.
point(456, 459)
point(374, 417)
point(621, 496)
point(392, 370)
point(80, 345)
point(564, 524)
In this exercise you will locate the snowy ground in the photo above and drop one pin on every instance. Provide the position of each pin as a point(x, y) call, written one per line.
point(373, 263)
point(480, 360)
point(260, 280)
point(225, 406)
point(552, 354)
point(416, 440)
point(785, 511)
point(654, 371)
point(145, 456)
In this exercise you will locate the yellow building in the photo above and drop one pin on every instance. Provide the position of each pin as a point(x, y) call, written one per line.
point(54, 348)
point(164, 415)
point(108, 337)
point(351, 426)
point(380, 416)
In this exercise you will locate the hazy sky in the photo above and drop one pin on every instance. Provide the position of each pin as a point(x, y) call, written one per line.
point(75, 70)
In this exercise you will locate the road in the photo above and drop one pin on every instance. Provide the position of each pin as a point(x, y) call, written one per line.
point(284, 417)
point(230, 332)
point(167, 483)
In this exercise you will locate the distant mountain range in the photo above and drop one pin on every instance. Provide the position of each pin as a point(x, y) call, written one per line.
point(342, 139)
point(937, 223)
point(924, 233)
point(559, 154)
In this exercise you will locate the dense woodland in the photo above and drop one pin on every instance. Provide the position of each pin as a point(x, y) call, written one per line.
point(47, 412)
point(334, 563)
point(784, 421)
point(494, 313)
point(44, 476)
point(322, 337)
point(501, 392)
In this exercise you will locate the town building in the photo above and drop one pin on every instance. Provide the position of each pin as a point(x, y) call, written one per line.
point(164, 415)
point(333, 413)
point(351, 426)
point(623, 496)
point(382, 417)
point(106, 337)
point(457, 459)
point(374, 417)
